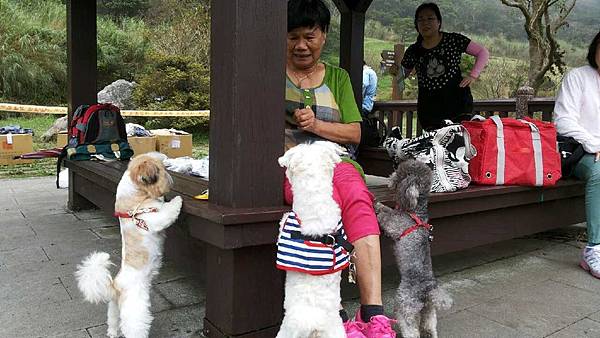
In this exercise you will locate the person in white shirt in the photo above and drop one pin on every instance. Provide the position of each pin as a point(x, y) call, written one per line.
point(577, 115)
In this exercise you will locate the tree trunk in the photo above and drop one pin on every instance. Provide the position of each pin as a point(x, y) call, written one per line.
point(541, 31)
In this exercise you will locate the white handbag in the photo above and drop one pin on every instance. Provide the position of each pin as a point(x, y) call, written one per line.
point(447, 151)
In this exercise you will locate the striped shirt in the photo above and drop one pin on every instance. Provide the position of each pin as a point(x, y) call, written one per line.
point(312, 257)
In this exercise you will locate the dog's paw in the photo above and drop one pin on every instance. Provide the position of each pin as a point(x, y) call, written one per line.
point(112, 333)
point(176, 203)
point(378, 206)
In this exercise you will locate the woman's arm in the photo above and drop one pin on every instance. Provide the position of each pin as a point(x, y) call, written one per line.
point(343, 133)
point(482, 56)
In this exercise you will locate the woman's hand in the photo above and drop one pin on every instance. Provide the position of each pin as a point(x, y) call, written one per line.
point(597, 157)
point(466, 81)
point(306, 119)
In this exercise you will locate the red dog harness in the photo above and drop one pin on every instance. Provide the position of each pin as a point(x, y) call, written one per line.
point(140, 223)
point(418, 224)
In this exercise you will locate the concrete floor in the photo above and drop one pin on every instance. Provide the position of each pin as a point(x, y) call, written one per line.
point(527, 287)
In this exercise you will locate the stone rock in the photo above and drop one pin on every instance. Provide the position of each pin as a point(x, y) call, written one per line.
point(118, 93)
point(59, 125)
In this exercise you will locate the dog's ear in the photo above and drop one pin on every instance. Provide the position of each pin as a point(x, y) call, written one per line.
point(284, 161)
point(408, 193)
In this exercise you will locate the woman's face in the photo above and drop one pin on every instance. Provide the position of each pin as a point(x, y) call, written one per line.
point(304, 46)
point(427, 23)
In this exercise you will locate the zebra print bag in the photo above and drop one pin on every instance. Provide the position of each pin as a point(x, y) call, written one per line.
point(447, 151)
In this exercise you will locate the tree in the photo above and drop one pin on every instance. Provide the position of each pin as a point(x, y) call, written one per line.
point(541, 28)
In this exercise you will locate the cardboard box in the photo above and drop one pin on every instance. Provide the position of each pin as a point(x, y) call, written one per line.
point(61, 139)
point(142, 145)
point(175, 145)
point(14, 145)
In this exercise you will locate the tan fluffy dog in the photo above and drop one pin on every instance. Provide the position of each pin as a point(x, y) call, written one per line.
point(143, 214)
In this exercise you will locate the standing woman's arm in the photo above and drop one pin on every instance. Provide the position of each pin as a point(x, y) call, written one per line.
point(482, 56)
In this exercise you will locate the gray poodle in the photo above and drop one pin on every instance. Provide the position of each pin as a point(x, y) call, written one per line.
point(418, 295)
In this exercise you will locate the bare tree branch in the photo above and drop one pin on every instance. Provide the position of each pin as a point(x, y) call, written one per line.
point(541, 28)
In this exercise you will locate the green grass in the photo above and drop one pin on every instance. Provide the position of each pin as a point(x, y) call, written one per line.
point(47, 167)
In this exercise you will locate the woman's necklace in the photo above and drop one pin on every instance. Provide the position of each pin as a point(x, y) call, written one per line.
point(306, 76)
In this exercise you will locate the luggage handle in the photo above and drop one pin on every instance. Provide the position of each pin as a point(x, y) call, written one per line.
point(501, 157)
point(537, 151)
point(536, 139)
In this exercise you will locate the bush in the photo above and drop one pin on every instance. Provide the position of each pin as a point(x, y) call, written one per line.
point(173, 83)
point(181, 27)
point(122, 8)
point(33, 59)
point(122, 49)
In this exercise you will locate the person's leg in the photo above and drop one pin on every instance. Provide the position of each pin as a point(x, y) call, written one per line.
point(362, 229)
point(368, 269)
point(589, 171)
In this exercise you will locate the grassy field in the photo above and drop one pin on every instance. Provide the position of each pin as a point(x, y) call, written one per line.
point(47, 167)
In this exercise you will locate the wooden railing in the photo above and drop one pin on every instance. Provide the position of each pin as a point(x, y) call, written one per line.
point(404, 113)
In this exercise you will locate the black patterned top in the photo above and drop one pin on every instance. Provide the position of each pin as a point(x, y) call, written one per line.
point(438, 75)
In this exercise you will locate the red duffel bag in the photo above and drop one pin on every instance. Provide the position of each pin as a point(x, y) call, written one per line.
point(514, 152)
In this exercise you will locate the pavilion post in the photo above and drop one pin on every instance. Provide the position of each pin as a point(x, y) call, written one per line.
point(352, 31)
point(81, 72)
point(248, 40)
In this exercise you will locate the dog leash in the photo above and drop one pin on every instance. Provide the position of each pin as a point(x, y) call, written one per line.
point(140, 223)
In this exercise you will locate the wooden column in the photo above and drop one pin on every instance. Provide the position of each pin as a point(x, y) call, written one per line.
point(352, 31)
point(247, 101)
point(248, 41)
point(81, 72)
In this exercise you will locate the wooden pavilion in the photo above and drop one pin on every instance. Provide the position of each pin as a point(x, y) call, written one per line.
point(247, 92)
point(237, 227)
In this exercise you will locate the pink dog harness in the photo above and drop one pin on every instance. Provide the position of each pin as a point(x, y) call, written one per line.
point(313, 255)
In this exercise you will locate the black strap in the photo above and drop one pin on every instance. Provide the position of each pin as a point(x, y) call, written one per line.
point(61, 158)
point(326, 239)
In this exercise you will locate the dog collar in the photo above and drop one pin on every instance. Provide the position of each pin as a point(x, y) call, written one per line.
point(418, 224)
point(140, 223)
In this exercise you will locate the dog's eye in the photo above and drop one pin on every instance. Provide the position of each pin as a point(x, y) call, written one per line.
point(148, 179)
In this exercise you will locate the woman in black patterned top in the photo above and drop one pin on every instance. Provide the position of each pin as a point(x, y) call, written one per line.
point(443, 93)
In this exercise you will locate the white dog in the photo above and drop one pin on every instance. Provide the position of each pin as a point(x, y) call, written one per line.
point(143, 214)
point(312, 295)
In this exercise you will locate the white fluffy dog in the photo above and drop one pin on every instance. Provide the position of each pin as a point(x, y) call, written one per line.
point(312, 302)
point(143, 214)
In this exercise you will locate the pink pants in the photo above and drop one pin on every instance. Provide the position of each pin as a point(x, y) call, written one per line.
point(355, 200)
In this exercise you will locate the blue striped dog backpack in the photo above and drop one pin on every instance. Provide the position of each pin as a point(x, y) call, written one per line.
point(313, 255)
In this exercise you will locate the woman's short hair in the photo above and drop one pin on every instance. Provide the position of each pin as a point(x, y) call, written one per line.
point(308, 13)
point(591, 57)
point(431, 6)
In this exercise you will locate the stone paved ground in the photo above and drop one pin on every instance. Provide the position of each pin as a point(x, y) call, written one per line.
point(527, 287)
